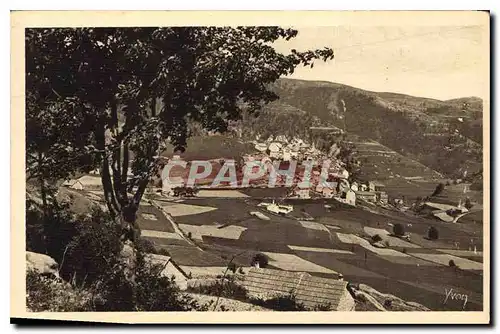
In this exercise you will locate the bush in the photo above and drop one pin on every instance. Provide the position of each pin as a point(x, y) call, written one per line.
point(468, 204)
point(398, 229)
point(261, 259)
point(452, 263)
point(146, 246)
point(281, 303)
point(90, 254)
point(227, 287)
point(148, 291)
point(322, 307)
point(439, 189)
point(49, 294)
point(154, 292)
point(49, 234)
point(94, 251)
point(376, 238)
point(433, 233)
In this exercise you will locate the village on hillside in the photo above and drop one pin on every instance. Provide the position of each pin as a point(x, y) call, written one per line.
point(189, 225)
point(176, 169)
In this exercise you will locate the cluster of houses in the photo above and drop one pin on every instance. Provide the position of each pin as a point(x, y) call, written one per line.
point(284, 151)
point(340, 189)
point(280, 148)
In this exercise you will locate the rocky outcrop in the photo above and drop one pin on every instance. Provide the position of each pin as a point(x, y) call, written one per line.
point(224, 304)
point(369, 299)
point(42, 264)
point(373, 300)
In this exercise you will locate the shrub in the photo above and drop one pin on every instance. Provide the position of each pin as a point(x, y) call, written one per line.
point(227, 287)
point(433, 233)
point(50, 233)
point(261, 259)
point(154, 292)
point(439, 189)
point(376, 238)
point(281, 303)
point(468, 203)
point(148, 291)
point(146, 246)
point(322, 307)
point(452, 263)
point(94, 251)
point(89, 252)
point(49, 294)
point(398, 229)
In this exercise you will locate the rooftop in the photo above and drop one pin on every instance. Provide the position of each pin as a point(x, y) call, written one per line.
point(308, 290)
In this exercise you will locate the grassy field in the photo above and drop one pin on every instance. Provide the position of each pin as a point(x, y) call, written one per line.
point(213, 147)
point(419, 273)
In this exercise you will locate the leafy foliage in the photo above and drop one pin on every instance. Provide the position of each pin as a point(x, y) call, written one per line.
point(94, 250)
point(50, 231)
point(227, 287)
point(98, 89)
point(90, 256)
point(261, 259)
point(281, 303)
point(48, 294)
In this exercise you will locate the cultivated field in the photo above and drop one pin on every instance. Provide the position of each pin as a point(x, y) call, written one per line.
point(337, 240)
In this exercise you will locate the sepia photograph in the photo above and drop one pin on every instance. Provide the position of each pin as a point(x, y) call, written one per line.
point(194, 164)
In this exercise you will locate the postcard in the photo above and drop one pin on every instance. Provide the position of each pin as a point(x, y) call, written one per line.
point(251, 167)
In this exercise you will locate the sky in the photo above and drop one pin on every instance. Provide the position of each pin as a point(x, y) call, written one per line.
point(440, 62)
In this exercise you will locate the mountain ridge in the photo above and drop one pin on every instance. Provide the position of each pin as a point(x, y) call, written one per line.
point(446, 135)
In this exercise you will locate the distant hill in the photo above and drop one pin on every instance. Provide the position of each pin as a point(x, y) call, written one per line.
point(446, 136)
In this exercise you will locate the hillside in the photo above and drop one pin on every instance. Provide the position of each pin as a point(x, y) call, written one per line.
point(445, 136)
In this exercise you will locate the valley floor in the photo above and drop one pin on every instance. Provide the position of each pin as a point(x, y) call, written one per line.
point(335, 241)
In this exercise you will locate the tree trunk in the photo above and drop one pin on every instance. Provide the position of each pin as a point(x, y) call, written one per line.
point(43, 192)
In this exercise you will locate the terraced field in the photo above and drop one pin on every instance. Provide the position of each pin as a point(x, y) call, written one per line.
point(336, 242)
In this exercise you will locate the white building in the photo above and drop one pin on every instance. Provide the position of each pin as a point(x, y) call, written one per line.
point(275, 149)
point(354, 186)
point(73, 184)
point(287, 155)
point(350, 198)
